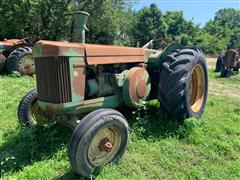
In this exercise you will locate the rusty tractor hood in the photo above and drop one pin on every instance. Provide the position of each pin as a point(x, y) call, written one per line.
point(95, 54)
point(7, 43)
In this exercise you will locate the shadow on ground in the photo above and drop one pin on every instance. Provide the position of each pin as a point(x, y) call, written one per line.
point(25, 146)
point(33, 144)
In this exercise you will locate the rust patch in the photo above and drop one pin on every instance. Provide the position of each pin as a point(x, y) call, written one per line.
point(52, 110)
point(52, 48)
point(136, 88)
point(105, 145)
point(104, 54)
point(11, 42)
point(53, 81)
point(141, 89)
point(95, 54)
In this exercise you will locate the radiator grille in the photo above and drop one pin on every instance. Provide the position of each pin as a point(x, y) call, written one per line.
point(53, 79)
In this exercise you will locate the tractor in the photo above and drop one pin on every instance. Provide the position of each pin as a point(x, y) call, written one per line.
point(81, 85)
point(228, 63)
point(16, 55)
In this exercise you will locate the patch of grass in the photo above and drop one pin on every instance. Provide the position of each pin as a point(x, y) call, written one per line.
point(159, 149)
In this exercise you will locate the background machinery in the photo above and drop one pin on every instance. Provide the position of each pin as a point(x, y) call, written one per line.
point(16, 55)
point(228, 63)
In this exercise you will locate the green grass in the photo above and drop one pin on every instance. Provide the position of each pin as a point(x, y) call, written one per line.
point(159, 149)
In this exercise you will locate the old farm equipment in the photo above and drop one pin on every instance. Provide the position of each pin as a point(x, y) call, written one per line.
point(16, 55)
point(78, 78)
point(230, 62)
point(219, 62)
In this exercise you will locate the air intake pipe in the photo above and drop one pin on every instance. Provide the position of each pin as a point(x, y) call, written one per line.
point(79, 26)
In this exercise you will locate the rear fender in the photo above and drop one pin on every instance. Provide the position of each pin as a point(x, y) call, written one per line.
point(156, 59)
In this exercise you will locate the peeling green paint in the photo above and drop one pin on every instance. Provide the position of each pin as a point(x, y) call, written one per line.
point(80, 106)
point(37, 51)
point(72, 61)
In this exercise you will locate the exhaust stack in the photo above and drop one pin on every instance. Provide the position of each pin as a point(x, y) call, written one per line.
point(79, 27)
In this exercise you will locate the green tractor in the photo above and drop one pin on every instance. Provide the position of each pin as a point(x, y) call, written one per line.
point(229, 63)
point(74, 79)
point(16, 55)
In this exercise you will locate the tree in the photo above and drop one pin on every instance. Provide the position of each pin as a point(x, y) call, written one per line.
point(108, 19)
point(234, 40)
point(149, 24)
point(50, 19)
point(224, 28)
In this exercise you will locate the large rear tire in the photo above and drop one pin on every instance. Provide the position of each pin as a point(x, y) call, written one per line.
point(101, 137)
point(183, 84)
point(219, 63)
point(21, 60)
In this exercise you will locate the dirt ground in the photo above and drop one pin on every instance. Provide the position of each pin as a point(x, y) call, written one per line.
point(211, 63)
point(222, 86)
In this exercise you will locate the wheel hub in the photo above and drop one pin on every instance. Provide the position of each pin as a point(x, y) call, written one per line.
point(38, 117)
point(197, 88)
point(26, 65)
point(105, 145)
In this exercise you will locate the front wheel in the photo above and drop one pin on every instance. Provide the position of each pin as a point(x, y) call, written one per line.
point(101, 137)
point(183, 84)
point(29, 113)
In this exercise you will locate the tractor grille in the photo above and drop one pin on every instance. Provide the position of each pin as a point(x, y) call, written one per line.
point(53, 80)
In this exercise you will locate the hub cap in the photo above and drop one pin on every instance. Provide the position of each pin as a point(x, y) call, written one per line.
point(104, 146)
point(197, 88)
point(26, 65)
point(38, 117)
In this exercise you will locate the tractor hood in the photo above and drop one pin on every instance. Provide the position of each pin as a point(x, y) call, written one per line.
point(54, 49)
point(9, 43)
point(95, 54)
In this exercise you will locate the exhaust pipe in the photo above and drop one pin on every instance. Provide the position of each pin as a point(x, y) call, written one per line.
point(79, 26)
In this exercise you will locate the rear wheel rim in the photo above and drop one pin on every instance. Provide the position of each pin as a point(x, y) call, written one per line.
point(197, 88)
point(26, 65)
point(104, 145)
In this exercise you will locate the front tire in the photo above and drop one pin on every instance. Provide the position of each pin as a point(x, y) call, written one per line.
point(183, 84)
point(101, 137)
point(29, 113)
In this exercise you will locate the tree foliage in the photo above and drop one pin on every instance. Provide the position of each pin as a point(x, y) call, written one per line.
point(114, 22)
point(51, 19)
point(149, 24)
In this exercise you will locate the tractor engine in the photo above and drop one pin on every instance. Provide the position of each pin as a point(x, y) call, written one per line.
point(129, 82)
point(74, 75)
